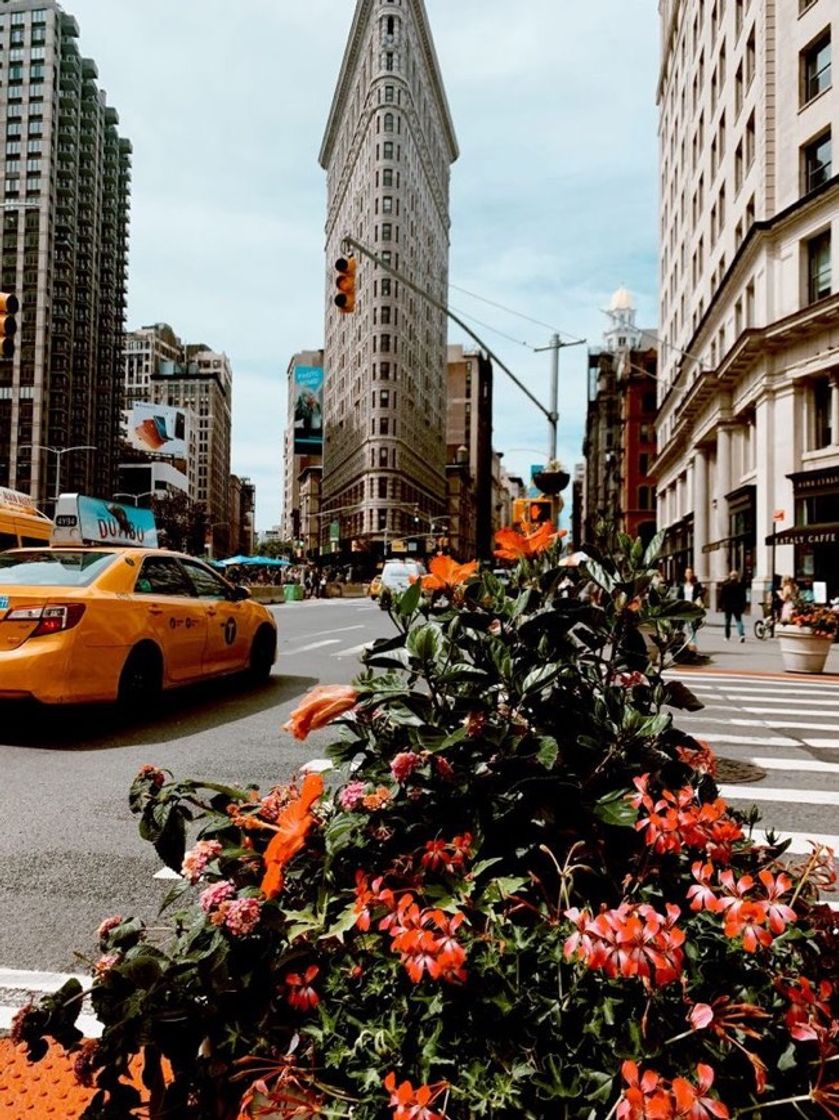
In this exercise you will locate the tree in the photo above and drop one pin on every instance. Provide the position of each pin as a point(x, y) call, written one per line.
point(183, 522)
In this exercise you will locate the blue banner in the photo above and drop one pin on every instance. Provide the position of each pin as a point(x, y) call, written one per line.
point(308, 410)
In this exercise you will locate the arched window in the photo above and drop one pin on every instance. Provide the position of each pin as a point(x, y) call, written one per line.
point(388, 122)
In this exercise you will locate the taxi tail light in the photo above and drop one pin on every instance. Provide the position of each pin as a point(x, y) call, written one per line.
point(50, 619)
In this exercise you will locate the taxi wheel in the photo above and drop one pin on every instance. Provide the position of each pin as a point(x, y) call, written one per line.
point(263, 654)
point(141, 679)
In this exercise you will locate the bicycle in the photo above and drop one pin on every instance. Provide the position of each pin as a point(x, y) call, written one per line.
point(765, 627)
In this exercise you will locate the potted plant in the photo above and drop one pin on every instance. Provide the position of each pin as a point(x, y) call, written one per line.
point(552, 478)
point(806, 636)
point(522, 897)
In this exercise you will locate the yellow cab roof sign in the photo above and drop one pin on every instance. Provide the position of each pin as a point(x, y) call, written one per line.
point(18, 502)
point(81, 520)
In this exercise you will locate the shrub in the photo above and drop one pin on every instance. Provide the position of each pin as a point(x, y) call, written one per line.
point(523, 897)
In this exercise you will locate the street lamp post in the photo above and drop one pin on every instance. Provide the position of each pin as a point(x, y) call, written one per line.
point(135, 498)
point(59, 453)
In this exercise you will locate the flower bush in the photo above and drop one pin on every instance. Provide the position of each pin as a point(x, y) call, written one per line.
point(522, 895)
point(822, 621)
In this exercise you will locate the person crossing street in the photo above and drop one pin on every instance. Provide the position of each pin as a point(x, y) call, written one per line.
point(733, 603)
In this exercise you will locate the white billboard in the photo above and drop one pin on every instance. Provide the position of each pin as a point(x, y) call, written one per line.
point(158, 428)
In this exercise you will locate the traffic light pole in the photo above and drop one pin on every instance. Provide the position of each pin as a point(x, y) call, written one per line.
point(553, 417)
point(551, 414)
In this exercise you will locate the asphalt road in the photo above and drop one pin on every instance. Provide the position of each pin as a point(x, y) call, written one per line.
point(70, 853)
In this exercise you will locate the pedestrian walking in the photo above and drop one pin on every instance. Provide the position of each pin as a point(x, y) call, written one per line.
point(733, 603)
point(692, 591)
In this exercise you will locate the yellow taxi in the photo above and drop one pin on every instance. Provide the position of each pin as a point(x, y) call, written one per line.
point(375, 588)
point(89, 622)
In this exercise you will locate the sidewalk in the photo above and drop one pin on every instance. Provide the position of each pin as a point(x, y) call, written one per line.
point(751, 656)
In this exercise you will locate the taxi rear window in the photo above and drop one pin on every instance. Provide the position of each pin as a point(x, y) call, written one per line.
point(52, 569)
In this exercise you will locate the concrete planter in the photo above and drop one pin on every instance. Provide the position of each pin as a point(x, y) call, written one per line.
point(802, 651)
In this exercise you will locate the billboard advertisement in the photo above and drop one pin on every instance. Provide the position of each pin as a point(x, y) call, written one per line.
point(79, 519)
point(158, 428)
point(308, 410)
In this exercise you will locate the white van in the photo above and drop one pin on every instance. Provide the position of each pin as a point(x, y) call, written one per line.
point(397, 576)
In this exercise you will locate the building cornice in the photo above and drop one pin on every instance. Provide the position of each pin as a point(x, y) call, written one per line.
point(361, 19)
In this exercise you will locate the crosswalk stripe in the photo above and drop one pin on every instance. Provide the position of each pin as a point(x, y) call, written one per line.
point(792, 712)
point(808, 765)
point(337, 630)
point(783, 796)
point(166, 873)
point(89, 1025)
point(743, 740)
point(38, 981)
point(822, 744)
point(810, 701)
point(729, 680)
point(800, 845)
point(352, 650)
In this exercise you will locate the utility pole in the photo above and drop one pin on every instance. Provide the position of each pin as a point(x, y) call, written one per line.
point(553, 415)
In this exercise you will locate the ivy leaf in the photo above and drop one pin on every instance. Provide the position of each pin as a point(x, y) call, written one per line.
point(425, 643)
point(615, 809)
point(342, 924)
point(408, 601)
point(548, 751)
point(538, 678)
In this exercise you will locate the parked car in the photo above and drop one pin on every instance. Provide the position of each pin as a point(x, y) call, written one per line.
point(397, 576)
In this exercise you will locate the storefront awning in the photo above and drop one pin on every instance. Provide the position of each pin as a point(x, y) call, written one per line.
point(827, 533)
point(714, 546)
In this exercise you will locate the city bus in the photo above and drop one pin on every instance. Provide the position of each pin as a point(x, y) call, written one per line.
point(21, 524)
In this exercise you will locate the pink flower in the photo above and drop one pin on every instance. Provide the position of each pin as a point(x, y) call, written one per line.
point(351, 796)
point(242, 916)
point(151, 774)
point(107, 925)
point(197, 859)
point(213, 896)
point(404, 764)
point(105, 963)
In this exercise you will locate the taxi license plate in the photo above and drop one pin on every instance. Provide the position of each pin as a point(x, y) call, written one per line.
point(4, 602)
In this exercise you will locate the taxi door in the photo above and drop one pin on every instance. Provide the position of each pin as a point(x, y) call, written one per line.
point(229, 622)
point(174, 615)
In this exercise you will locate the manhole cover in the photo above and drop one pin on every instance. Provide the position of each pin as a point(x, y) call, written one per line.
point(733, 770)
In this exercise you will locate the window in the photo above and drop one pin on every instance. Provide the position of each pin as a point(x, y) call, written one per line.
point(644, 497)
point(816, 162)
point(648, 401)
point(388, 122)
point(387, 231)
point(207, 585)
point(387, 204)
point(818, 267)
point(382, 487)
point(821, 433)
point(384, 398)
point(384, 371)
point(644, 463)
point(750, 142)
point(750, 58)
point(385, 287)
point(815, 68)
point(384, 316)
point(384, 343)
point(388, 93)
point(389, 60)
point(382, 463)
point(387, 149)
point(387, 177)
point(163, 575)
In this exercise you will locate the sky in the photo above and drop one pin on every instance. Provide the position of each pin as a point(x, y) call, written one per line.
point(553, 198)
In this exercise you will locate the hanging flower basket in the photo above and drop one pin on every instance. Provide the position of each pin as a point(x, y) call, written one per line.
point(551, 481)
point(803, 650)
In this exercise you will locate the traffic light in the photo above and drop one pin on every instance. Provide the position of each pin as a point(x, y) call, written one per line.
point(539, 510)
point(9, 307)
point(345, 283)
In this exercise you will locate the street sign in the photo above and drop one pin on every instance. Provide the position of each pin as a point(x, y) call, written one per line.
point(397, 545)
point(779, 515)
point(334, 531)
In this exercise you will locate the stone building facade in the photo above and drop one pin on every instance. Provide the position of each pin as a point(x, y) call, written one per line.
point(748, 425)
point(66, 175)
point(387, 149)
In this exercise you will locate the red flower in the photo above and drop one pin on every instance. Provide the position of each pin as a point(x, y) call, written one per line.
point(633, 940)
point(520, 546)
point(807, 1006)
point(320, 706)
point(439, 955)
point(702, 893)
point(692, 1102)
point(301, 995)
point(294, 822)
point(646, 1098)
point(447, 574)
point(409, 1103)
point(444, 855)
point(778, 913)
point(367, 896)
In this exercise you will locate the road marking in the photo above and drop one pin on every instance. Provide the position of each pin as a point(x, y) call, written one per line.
point(727, 680)
point(809, 711)
point(745, 740)
point(89, 1025)
point(823, 744)
point(167, 873)
point(351, 650)
point(813, 703)
point(38, 981)
point(339, 630)
point(784, 796)
point(777, 724)
point(310, 646)
point(804, 764)
point(321, 766)
point(800, 845)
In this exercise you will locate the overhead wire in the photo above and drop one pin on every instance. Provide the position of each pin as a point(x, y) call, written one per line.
point(512, 311)
point(489, 327)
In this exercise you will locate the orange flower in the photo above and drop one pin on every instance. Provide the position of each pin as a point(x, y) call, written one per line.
point(446, 574)
point(517, 546)
point(320, 706)
point(294, 822)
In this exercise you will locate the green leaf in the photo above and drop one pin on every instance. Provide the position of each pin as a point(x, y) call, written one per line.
point(548, 751)
point(654, 548)
point(408, 601)
point(538, 678)
point(342, 924)
point(341, 832)
point(600, 576)
point(615, 809)
point(425, 643)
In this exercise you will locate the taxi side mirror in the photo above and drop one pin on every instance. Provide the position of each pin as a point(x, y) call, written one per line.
point(239, 593)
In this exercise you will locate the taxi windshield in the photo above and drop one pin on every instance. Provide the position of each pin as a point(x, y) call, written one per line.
point(52, 568)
